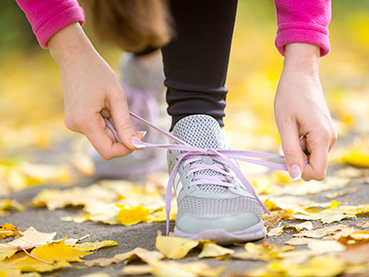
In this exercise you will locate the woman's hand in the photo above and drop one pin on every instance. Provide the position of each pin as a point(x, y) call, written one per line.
point(92, 92)
point(301, 110)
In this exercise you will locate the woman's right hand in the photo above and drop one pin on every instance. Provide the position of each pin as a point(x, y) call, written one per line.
point(92, 93)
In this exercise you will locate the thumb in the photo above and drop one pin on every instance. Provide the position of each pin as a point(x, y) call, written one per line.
point(119, 111)
point(292, 150)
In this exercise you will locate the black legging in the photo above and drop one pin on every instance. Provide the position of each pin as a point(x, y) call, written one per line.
point(196, 61)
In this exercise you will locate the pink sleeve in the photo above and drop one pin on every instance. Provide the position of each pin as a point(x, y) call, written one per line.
point(49, 16)
point(303, 21)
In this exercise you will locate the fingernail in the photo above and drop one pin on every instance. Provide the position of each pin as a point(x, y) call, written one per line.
point(137, 143)
point(295, 172)
point(143, 133)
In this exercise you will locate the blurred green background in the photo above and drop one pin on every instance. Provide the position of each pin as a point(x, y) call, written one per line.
point(31, 102)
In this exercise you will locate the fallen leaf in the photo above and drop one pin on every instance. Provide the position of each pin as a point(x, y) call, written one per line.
point(299, 227)
point(137, 253)
point(7, 205)
point(8, 230)
point(133, 215)
point(264, 252)
point(97, 274)
point(356, 158)
point(270, 221)
point(52, 256)
point(322, 232)
point(171, 268)
point(275, 231)
point(323, 266)
point(322, 247)
point(299, 241)
point(341, 193)
point(31, 238)
point(89, 246)
point(133, 270)
point(173, 247)
point(212, 250)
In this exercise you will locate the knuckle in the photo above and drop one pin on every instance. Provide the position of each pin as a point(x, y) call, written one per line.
point(70, 125)
point(106, 156)
point(125, 125)
point(291, 152)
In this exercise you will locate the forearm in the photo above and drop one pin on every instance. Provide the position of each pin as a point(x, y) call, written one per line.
point(68, 44)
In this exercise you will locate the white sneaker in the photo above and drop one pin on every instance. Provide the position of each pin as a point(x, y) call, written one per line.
point(212, 202)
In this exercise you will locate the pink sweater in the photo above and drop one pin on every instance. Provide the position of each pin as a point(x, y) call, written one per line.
point(298, 20)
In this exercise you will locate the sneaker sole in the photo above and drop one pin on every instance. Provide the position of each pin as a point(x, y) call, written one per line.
point(220, 236)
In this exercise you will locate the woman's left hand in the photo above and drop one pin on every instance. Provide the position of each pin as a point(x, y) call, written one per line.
point(301, 110)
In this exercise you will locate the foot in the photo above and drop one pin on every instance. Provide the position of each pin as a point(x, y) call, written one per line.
point(212, 202)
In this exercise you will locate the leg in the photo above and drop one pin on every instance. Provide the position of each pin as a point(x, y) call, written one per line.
point(196, 61)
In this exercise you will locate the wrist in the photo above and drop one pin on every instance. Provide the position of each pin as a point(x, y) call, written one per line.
point(68, 44)
point(302, 57)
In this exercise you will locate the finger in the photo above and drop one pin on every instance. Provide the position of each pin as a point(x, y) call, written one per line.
point(118, 107)
point(292, 151)
point(318, 160)
point(94, 130)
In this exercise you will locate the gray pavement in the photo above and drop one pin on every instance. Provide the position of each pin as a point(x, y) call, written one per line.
point(144, 234)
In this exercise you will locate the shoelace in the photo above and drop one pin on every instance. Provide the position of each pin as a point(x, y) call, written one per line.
point(143, 102)
point(190, 154)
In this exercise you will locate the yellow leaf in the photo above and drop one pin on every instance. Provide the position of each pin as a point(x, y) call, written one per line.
point(323, 266)
point(174, 248)
point(136, 270)
point(7, 205)
point(133, 215)
point(31, 238)
point(212, 250)
point(299, 227)
point(89, 246)
point(356, 158)
point(8, 230)
point(275, 231)
point(263, 252)
point(321, 247)
point(271, 206)
point(137, 253)
point(171, 268)
point(10, 273)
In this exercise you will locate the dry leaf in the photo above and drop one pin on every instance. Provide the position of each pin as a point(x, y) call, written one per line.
point(322, 232)
point(31, 238)
point(263, 252)
point(173, 247)
point(322, 247)
point(54, 255)
point(7, 205)
point(324, 266)
point(133, 270)
point(270, 220)
point(133, 215)
point(8, 230)
point(302, 226)
point(89, 246)
point(275, 231)
point(171, 268)
point(137, 253)
point(299, 241)
point(212, 250)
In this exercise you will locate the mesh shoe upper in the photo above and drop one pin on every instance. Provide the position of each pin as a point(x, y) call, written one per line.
point(206, 200)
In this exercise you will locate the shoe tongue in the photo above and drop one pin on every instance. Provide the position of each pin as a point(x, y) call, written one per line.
point(199, 130)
